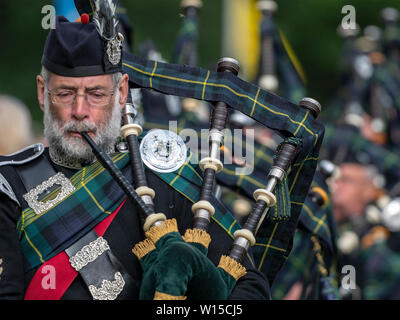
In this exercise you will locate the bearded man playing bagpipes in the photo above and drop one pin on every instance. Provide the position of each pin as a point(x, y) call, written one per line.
point(85, 219)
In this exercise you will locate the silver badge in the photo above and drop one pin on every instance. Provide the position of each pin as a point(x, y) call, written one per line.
point(163, 151)
point(89, 253)
point(105, 21)
point(32, 197)
point(114, 50)
point(109, 290)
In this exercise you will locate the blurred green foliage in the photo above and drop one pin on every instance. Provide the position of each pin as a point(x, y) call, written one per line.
point(309, 25)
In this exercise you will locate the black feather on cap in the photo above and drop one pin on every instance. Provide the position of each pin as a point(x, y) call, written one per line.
point(77, 50)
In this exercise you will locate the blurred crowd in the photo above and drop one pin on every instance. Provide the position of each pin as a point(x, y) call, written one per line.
point(347, 244)
point(359, 158)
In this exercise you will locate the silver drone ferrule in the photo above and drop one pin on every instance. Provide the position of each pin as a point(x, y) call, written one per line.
point(202, 213)
point(242, 242)
point(277, 173)
point(215, 138)
point(129, 114)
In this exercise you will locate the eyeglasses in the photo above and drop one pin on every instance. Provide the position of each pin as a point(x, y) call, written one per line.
point(95, 98)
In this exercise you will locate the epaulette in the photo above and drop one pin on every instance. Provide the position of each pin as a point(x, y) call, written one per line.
point(22, 156)
point(18, 158)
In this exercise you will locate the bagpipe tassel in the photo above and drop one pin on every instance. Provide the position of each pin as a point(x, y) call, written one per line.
point(232, 267)
point(157, 232)
point(142, 248)
point(197, 236)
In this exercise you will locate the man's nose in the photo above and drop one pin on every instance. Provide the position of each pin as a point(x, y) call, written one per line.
point(81, 108)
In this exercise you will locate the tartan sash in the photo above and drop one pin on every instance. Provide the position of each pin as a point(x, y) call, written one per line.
point(95, 197)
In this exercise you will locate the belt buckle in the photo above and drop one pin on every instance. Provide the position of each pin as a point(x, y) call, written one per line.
point(32, 197)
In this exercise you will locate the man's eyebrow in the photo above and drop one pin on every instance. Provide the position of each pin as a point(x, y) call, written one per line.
point(68, 87)
point(98, 87)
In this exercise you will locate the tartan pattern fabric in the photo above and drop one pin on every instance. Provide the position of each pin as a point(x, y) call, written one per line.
point(300, 266)
point(319, 222)
point(271, 110)
point(96, 196)
point(381, 272)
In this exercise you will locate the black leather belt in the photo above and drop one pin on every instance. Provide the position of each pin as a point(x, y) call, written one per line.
point(102, 272)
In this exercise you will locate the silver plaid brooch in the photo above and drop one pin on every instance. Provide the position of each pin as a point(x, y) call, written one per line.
point(32, 197)
point(163, 150)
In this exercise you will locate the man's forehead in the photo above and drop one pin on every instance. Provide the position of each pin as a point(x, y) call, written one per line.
point(104, 80)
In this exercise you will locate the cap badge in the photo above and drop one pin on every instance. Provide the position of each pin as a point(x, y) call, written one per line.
point(114, 50)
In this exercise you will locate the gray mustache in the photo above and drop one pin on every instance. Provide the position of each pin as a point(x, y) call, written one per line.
point(79, 127)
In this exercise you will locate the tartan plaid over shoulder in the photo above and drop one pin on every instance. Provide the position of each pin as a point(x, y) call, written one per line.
point(95, 197)
point(277, 113)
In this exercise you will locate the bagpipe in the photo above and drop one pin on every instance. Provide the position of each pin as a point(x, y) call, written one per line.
point(185, 48)
point(175, 266)
point(267, 78)
point(279, 69)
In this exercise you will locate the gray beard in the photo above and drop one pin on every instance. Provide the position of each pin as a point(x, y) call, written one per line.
point(75, 150)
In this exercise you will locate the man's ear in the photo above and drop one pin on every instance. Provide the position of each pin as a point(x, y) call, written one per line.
point(40, 91)
point(123, 90)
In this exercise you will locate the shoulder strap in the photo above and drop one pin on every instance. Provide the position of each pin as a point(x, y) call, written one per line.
point(31, 166)
point(22, 156)
point(34, 172)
